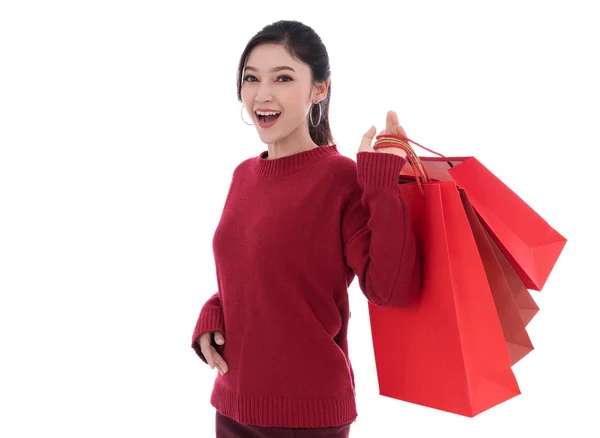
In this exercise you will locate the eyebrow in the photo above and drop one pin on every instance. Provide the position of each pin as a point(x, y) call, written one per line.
point(274, 69)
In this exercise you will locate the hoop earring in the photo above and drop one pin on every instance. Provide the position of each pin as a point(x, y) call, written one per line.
point(242, 115)
point(311, 117)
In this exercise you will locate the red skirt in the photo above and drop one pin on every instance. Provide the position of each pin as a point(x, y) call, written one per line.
point(227, 427)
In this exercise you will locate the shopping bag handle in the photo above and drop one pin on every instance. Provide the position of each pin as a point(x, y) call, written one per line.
point(406, 139)
point(392, 140)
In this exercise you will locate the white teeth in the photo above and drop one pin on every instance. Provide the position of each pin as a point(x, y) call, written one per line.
point(262, 113)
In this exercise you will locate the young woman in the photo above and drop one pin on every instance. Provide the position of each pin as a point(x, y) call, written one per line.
point(300, 221)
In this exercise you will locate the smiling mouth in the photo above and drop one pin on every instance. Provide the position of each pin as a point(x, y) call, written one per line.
point(267, 119)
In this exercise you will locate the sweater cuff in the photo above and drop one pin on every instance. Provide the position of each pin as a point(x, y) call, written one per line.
point(209, 321)
point(379, 169)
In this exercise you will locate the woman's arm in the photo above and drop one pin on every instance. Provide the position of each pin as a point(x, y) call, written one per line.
point(378, 240)
point(209, 320)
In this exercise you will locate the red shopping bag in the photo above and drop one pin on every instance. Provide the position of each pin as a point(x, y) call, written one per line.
point(527, 240)
point(527, 306)
point(446, 350)
point(438, 169)
point(513, 326)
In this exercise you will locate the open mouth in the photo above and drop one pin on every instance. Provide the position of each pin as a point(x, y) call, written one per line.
point(267, 119)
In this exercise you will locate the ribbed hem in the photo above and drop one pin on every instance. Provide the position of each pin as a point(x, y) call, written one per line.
point(292, 163)
point(284, 412)
point(209, 321)
point(379, 169)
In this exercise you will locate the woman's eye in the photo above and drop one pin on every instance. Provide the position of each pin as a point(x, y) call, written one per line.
point(288, 79)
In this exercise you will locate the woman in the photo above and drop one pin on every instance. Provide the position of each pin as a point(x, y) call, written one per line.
point(300, 221)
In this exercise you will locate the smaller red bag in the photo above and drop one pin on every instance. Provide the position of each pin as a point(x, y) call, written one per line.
point(515, 334)
point(527, 306)
point(530, 244)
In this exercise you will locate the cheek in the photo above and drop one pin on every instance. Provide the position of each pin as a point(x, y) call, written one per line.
point(246, 98)
point(248, 91)
point(295, 102)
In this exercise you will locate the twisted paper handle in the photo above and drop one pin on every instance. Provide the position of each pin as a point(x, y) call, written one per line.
point(406, 139)
point(398, 141)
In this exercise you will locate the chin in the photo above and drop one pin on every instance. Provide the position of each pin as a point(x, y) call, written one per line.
point(266, 139)
point(270, 138)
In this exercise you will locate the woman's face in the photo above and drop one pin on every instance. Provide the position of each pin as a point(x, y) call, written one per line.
point(276, 82)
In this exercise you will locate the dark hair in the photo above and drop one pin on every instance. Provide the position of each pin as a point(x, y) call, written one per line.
point(302, 43)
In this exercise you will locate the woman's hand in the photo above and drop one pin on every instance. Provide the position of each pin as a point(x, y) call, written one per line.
point(392, 126)
point(213, 358)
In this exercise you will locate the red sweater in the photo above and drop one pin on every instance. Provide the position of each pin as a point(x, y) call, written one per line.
point(294, 233)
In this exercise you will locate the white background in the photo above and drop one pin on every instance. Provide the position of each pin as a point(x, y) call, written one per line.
point(119, 130)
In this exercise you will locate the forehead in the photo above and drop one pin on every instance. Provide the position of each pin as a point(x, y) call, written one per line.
point(267, 56)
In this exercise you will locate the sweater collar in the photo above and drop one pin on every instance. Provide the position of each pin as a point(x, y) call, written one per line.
point(291, 163)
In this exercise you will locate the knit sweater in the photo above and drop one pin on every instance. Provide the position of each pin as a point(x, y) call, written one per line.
point(294, 233)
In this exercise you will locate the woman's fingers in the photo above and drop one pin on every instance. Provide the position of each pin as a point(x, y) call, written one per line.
point(214, 359)
point(389, 122)
point(220, 362)
point(395, 122)
point(396, 127)
point(392, 125)
point(219, 338)
point(205, 347)
point(367, 139)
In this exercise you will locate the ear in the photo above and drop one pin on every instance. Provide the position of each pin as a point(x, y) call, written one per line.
point(321, 89)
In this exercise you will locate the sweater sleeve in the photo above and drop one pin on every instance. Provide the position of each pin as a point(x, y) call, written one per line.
point(209, 320)
point(211, 317)
point(378, 239)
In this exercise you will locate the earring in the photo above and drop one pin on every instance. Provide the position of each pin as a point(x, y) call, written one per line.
point(311, 116)
point(242, 115)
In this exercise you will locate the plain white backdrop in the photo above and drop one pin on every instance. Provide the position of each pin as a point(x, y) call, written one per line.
point(119, 130)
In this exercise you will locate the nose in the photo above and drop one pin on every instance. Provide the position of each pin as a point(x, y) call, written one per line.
point(264, 93)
